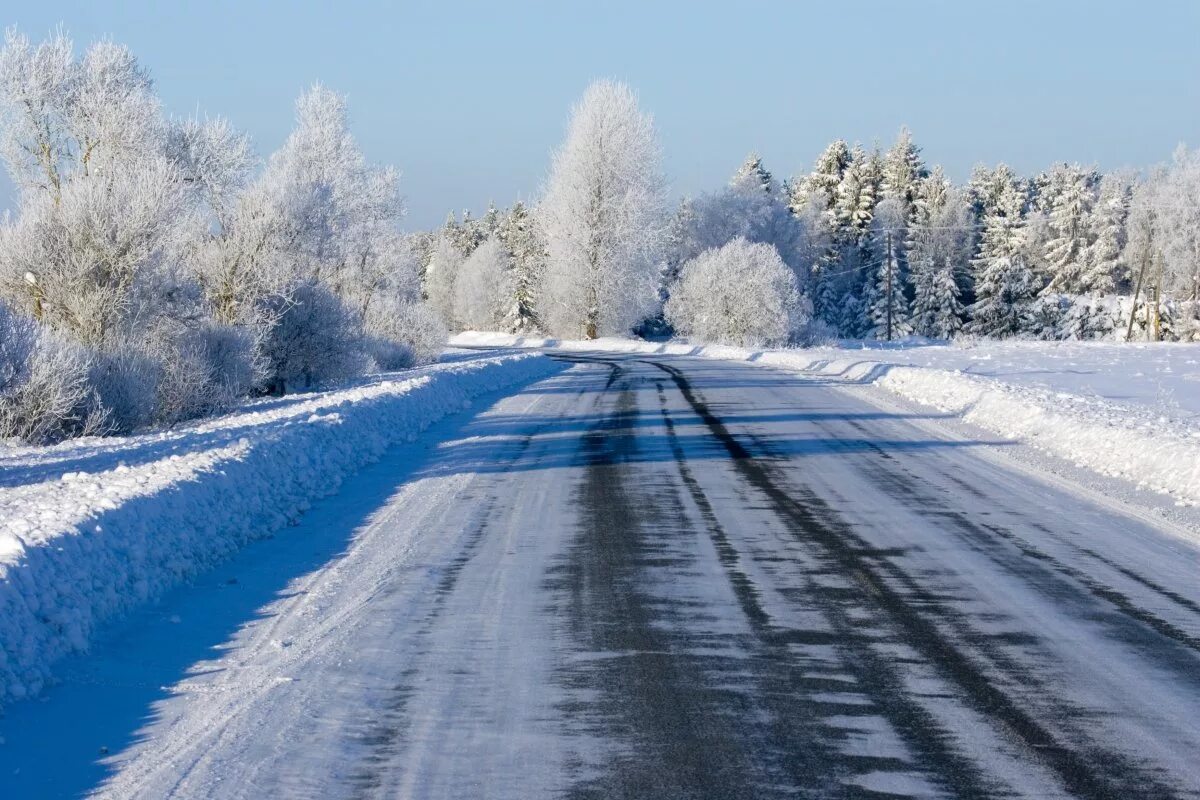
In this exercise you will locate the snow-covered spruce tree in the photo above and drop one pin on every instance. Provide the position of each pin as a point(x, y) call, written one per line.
point(1004, 285)
point(936, 308)
point(445, 263)
point(1070, 193)
point(739, 294)
point(753, 175)
point(604, 218)
point(902, 172)
point(888, 306)
point(483, 291)
point(857, 195)
point(1104, 266)
point(518, 229)
point(825, 178)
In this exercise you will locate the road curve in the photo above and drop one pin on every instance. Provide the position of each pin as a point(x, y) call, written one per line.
point(657, 577)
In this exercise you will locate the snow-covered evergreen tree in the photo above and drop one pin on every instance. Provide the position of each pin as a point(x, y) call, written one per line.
point(1103, 263)
point(857, 195)
point(1004, 285)
point(1070, 197)
point(604, 217)
point(752, 174)
point(902, 172)
point(936, 309)
point(887, 304)
point(825, 178)
point(527, 253)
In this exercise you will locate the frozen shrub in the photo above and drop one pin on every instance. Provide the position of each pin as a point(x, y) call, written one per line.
point(126, 385)
point(18, 338)
point(314, 339)
point(45, 394)
point(404, 334)
point(205, 370)
point(739, 294)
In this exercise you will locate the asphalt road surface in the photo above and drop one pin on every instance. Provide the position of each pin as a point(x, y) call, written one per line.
point(656, 577)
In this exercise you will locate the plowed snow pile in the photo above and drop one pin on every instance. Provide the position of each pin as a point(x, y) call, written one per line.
point(90, 528)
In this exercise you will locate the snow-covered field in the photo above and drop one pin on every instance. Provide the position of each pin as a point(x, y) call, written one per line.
point(1124, 410)
point(93, 527)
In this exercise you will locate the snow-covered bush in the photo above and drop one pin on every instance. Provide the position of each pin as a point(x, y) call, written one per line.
point(205, 370)
point(739, 294)
point(483, 291)
point(402, 334)
point(45, 393)
point(315, 339)
point(126, 383)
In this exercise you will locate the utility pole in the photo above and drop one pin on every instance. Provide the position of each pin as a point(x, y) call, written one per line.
point(1137, 290)
point(890, 263)
point(1158, 261)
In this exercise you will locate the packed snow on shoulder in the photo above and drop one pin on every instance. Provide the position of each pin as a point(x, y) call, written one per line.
point(1127, 410)
point(93, 527)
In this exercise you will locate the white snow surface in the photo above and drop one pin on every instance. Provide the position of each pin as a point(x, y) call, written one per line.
point(1125, 410)
point(93, 527)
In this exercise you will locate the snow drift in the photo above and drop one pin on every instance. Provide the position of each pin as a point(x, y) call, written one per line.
point(91, 528)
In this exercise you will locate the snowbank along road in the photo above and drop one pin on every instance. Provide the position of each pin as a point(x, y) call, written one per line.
point(662, 577)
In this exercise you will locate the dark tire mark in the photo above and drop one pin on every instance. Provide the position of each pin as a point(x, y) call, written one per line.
point(817, 524)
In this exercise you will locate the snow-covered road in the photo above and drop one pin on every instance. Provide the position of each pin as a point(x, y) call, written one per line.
point(657, 577)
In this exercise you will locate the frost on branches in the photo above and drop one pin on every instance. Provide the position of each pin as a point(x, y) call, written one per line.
point(739, 294)
point(604, 218)
point(154, 263)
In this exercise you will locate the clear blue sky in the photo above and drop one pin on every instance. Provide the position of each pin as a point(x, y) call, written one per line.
point(467, 99)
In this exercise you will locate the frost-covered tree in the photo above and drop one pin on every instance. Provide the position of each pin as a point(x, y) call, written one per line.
point(483, 291)
point(445, 263)
point(1178, 210)
point(519, 230)
point(887, 304)
point(936, 308)
point(604, 218)
point(744, 210)
point(1004, 284)
point(740, 294)
point(1070, 197)
point(313, 341)
point(1103, 264)
point(825, 178)
point(857, 195)
point(753, 175)
point(902, 172)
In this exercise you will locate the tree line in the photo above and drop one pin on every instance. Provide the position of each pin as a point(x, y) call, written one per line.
point(155, 271)
point(870, 243)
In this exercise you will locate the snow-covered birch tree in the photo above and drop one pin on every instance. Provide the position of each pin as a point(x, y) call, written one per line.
point(483, 290)
point(604, 217)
